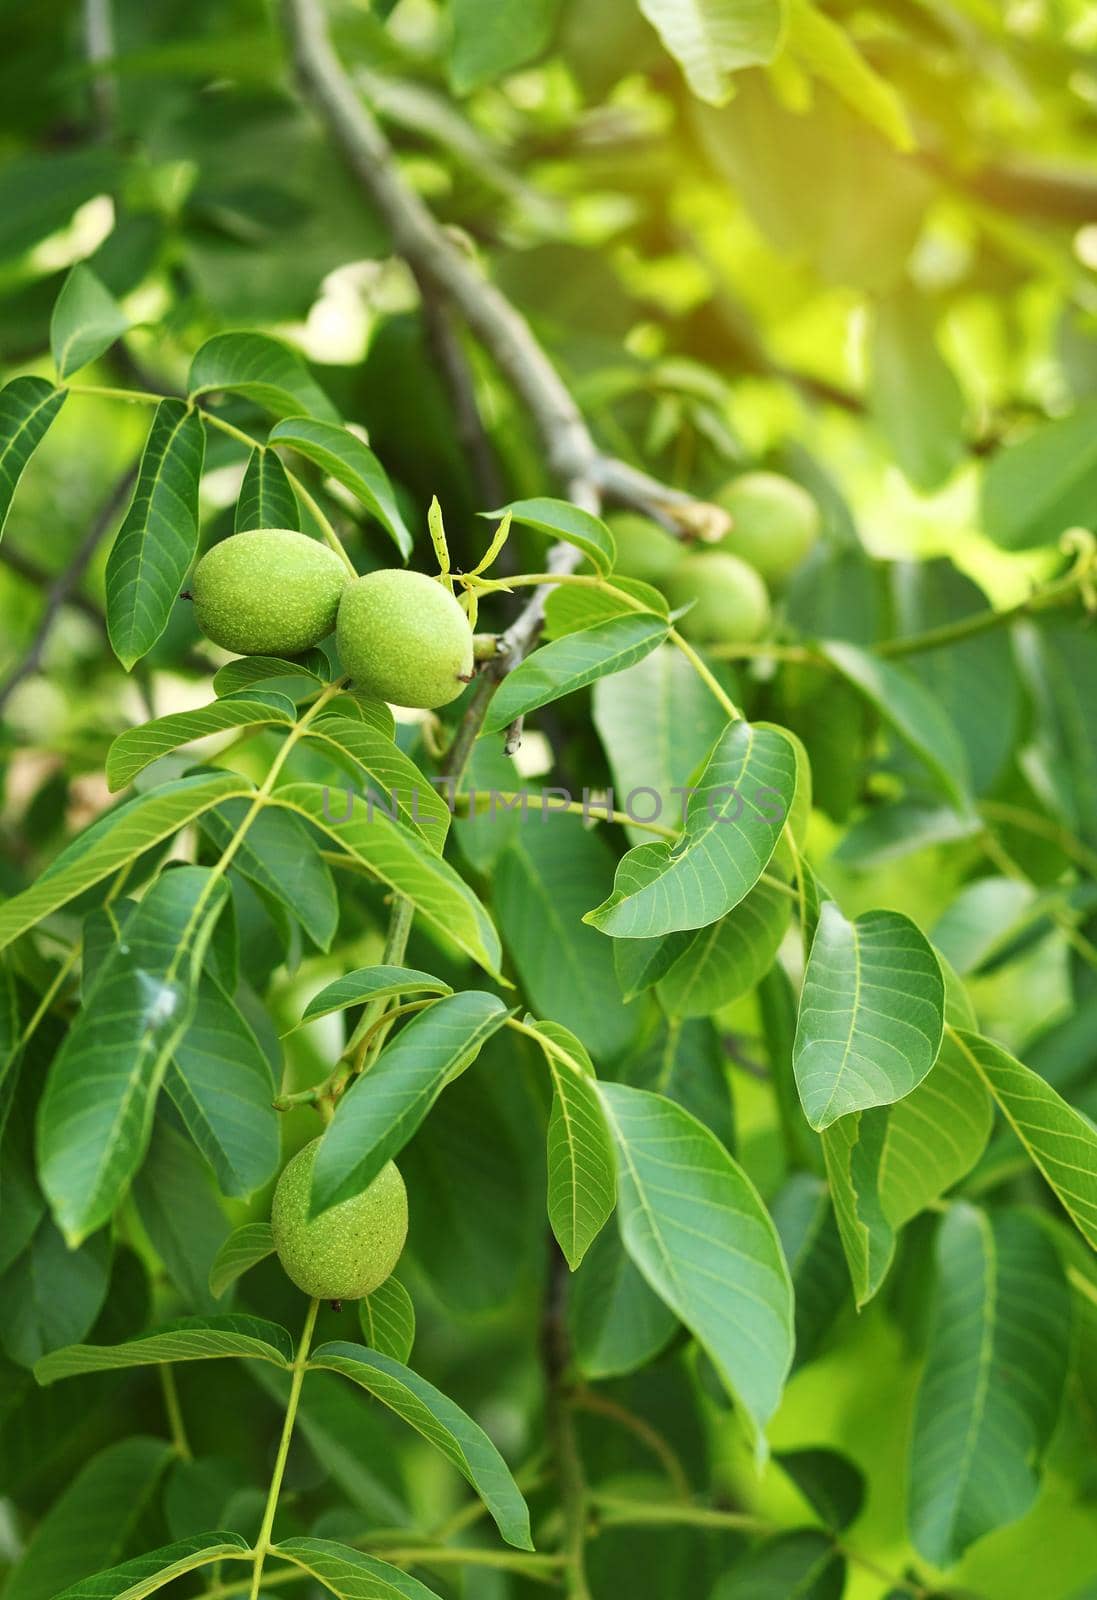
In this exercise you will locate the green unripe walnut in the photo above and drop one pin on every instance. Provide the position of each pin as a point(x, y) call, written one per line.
point(732, 604)
point(346, 1252)
point(775, 522)
point(644, 549)
point(403, 638)
point(268, 592)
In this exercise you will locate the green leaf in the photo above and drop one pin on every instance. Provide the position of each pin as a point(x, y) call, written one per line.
point(801, 1565)
point(695, 1226)
point(657, 722)
point(993, 1383)
point(617, 1322)
point(266, 498)
point(492, 38)
point(387, 1317)
point(709, 967)
point(830, 1483)
point(179, 1208)
point(805, 1223)
point(261, 369)
point(913, 392)
point(543, 884)
point(1034, 491)
point(189, 1339)
point(912, 712)
point(10, 1033)
point(244, 1248)
point(871, 1014)
point(853, 1149)
point(383, 1108)
point(371, 983)
point(350, 1573)
point(581, 1169)
point(93, 1520)
point(401, 861)
point(27, 407)
point(1058, 662)
point(711, 39)
point(562, 520)
point(1061, 1142)
point(343, 456)
point(734, 818)
point(220, 1082)
point(826, 49)
point(50, 1295)
point(934, 1137)
point(95, 1117)
point(888, 1164)
point(571, 607)
point(113, 841)
point(443, 1424)
point(975, 680)
point(281, 857)
point(297, 680)
point(138, 748)
point(404, 788)
point(578, 659)
point(154, 547)
point(86, 320)
point(145, 1574)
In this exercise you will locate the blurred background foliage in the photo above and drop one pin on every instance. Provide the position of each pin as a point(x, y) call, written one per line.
point(871, 263)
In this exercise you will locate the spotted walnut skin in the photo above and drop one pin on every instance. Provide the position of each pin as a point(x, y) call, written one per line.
point(268, 592)
point(346, 1252)
point(404, 638)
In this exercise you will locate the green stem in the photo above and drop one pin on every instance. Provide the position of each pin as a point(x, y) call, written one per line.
point(174, 1412)
point(948, 633)
point(618, 1512)
point(50, 995)
point(705, 675)
point(300, 1362)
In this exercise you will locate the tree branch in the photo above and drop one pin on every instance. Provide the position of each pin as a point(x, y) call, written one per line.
point(61, 590)
point(442, 267)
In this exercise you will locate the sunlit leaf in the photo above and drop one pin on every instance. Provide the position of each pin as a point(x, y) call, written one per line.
point(154, 547)
point(262, 369)
point(27, 407)
point(710, 39)
point(387, 1318)
point(96, 1112)
point(1003, 1308)
point(190, 1339)
point(343, 456)
point(383, 1108)
point(145, 1574)
point(266, 498)
point(442, 1423)
point(693, 1223)
point(564, 665)
point(734, 818)
point(244, 1248)
point(87, 319)
point(871, 1014)
point(581, 1168)
point(137, 748)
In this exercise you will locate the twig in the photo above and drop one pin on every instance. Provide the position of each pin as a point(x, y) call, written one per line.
point(445, 346)
point(441, 267)
point(601, 1405)
point(66, 582)
point(99, 50)
point(556, 1355)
